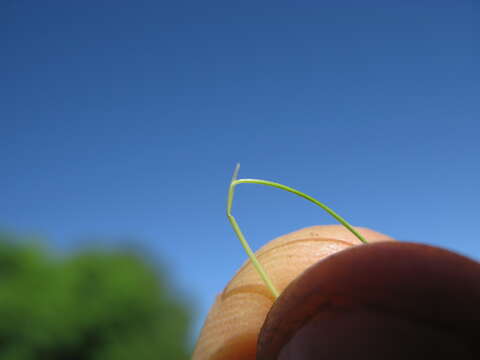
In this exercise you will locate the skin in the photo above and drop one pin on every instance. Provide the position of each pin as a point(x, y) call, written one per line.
point(384, 300)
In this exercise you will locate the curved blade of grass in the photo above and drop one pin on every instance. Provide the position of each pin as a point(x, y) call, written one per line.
point(241, 237)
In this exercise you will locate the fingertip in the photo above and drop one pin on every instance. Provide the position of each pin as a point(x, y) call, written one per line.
point(385, 300)
point(234, 321)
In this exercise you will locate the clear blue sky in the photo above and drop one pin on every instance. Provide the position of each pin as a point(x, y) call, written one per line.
point(123, 120)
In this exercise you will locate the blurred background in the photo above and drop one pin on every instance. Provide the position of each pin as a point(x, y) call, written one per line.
point(121, 123)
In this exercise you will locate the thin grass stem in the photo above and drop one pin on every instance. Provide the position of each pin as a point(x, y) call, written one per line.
point(241, 237)
point(261, 271)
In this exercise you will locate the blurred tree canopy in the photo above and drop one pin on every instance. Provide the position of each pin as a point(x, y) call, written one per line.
point(90, 305)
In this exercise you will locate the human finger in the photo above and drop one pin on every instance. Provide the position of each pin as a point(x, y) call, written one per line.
point(234, 321)
point(379, 301)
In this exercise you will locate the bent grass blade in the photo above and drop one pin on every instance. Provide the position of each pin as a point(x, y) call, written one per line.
point(261, 271)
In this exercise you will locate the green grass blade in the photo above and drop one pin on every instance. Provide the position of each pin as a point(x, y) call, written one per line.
point(231, 190)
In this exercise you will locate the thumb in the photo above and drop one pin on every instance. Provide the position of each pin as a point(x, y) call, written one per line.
point(386, 300)
point(235, 319)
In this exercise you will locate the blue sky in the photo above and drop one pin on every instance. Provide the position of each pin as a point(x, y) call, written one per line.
point(121, 122)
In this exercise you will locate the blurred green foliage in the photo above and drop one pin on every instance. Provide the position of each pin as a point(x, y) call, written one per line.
point(109, 305)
